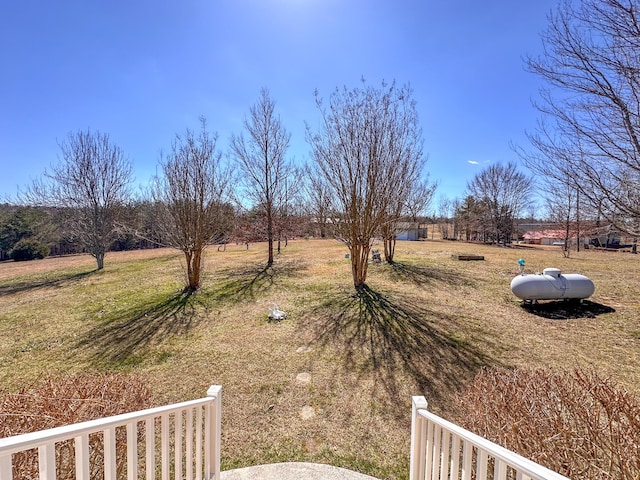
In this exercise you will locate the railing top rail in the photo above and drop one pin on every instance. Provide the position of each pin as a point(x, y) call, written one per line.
point(27, 441)
point(514, 460)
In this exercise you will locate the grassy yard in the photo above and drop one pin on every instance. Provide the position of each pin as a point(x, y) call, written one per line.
point(425, 325)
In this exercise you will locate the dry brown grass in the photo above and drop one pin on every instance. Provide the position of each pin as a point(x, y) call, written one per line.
point(426, 325)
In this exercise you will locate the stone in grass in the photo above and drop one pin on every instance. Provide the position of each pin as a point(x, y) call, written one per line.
point(307, 412)
point(303, 378)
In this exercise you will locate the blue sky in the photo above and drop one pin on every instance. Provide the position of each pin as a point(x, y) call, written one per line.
point(142, 70)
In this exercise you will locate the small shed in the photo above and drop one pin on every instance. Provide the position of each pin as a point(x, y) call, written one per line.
point(408, 231)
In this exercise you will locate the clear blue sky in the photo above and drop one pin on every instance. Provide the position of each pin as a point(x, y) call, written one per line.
point(142, 70)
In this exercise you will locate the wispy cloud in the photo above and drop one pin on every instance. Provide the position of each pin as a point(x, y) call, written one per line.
point(473, 162)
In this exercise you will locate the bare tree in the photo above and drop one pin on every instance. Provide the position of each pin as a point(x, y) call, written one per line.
point(417, 197)
point(590, 127)
point(368, 150)
point(289, 214)
point(561, 208)
point(192, 197)
point(319, 202)
point(445, 216)
point(90, 184)
point(261, 157)
point(503, 192)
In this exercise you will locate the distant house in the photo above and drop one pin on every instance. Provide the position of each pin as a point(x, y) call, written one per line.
point(544, 237)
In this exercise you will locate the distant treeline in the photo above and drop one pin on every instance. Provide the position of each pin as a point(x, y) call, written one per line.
point(28, 232)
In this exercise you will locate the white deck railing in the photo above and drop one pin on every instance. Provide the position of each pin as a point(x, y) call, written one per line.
point(180, 441)
point(442, 450)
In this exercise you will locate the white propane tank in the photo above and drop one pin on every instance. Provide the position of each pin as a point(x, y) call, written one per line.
point(552, 285)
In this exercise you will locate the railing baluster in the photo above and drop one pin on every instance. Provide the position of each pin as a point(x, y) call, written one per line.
point(437, 451)
point(429, 445)
point(164, 446)
point(110, 454)
point(6, 469)
point(467, 460)
point(481, 465)
point(444, 463)
point(455, 457)
point(178, 445)
point(47, 461)
point(199, 443)
point(189, 446)
point(132, 451)
point(499, 470)
point(81, 445)
point(150, 447)
point(208, 472)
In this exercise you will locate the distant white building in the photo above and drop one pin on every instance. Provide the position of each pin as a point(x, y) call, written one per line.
point(408, 231)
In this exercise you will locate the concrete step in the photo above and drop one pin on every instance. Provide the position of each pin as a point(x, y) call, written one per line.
point(293, 471)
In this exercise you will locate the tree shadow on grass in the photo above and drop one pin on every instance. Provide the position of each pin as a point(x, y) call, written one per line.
point(251, 281)
point(424, 275)
point(399, 335)
point(125, 334)
point(34, 284)
point(566, 310)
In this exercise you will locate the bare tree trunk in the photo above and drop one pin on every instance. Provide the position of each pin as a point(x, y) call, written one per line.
point(193, 260)
point(578, 220)
point(567, 232)
point(100, 260)
point(389, 248)
point(269, 202)
point(187, 257)
point(270, 259)
point(359, 264)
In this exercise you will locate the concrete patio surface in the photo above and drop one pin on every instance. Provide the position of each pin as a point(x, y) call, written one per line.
point(293, 471)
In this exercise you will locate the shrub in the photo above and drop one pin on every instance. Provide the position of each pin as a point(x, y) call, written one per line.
point(66, 400)
point(29, 249)
point(575, 423)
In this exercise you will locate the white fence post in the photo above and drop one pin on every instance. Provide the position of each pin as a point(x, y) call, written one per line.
point(214, 433)
point(418, 467)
